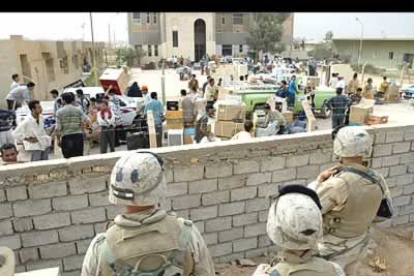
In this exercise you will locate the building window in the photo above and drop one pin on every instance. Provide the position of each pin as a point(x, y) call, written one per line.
point(391, 55)
point(175, 38)
point(138, 48)
point(223, 20)
point(149, 51)
point(148, 18)
point(237, 19)
point(136, 18)
point(154, 18)
point(227, 50)
point(155, 50)
point(241, 48)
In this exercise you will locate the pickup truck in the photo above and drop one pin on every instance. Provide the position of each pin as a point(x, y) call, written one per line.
point(255, 97)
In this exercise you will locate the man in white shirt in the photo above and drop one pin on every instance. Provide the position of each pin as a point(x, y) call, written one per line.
point(246, 134)
point(334, 80)
point(32, 133)
point(341, 83)
point(16, 81)
point(19, 95)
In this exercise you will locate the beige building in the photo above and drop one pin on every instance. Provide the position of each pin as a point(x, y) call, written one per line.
point(49, 64)
point(192, 35)
point(384, 52)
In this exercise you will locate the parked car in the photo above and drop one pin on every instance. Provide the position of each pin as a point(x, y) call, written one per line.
point(408, 93)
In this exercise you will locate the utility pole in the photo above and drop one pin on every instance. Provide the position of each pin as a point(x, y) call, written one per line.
point(93, 52)
point(360, 41)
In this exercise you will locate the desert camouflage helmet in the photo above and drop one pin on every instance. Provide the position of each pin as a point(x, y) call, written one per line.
point(352, 141)
point(137, 179)
point(294, 222)
point(6, 261)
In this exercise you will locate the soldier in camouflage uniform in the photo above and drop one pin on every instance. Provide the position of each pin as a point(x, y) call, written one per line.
point(351, 196)
point(295, 224)
point(145, 240)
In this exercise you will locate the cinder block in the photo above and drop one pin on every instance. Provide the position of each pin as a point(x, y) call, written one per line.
point(99, 199)
point(311, 171)
point(82, 246)
point(398, 170)
point(57, 251)
point(12, 242)
point(183, 214)
point(202, 186)
point(411, 168)
point(400, 220)
point(28, 254)
point(215, 198)
point(6, 210)
point(73, 262)
point(101, 227)
point(48, 190)
point(23, 224)
point(231, 208)
point(43, 264)
point(203, 213)
point(2, 195)
point(392, 160)
point(169, 176)
point(76, 232)
point(382, 150)
point(257, 204)
point(210, 238)
point(264, 241)
point(113, 210)
point(51, 221)
point(401, 200)
point(273, 163)
point(32, 207)
point(376, 163)
point(254, 230)
point(246, 166)
point(231, 182)
point(408, 189)
point(405, 179)
point(220, 249)
point(409, 135)
point(16, 193)
point(219, 170)
point(406, 210)
point(268, 189)
point(39, 238)
point(231, 257)
point(85, 186)
point(230, 235)
point(297, 161)
point(255, 252)
point(244, 219)
point(397, 191)
point(320, 158)
point(243, 193)
point(411, 218)
point(186, 202)
point(394, 136)
point(6, 228)
point(263, 215)
point(88, 216)
point(284, 175)
point(401, 147)
point(406, 158)
point(176, 189)
point(258, 178)
point(218, 224)
point(188, 173)
point(70, 203)
point(244, 244)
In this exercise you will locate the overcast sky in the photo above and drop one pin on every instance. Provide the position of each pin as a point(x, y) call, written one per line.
point(56, 26)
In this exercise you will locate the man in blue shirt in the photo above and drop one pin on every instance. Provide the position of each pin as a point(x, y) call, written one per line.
point(158, 112)
point(292, 91)
point(282, 91)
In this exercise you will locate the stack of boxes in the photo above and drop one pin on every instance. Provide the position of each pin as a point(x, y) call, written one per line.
point(393, 94)
point(359, 113)
point(174, 119)
point(229, 119)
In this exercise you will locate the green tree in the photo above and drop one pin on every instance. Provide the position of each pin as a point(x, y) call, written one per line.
point(129, 56)
point(266, 32)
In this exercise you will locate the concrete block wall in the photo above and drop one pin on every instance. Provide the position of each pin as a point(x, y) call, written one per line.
point(50, 211)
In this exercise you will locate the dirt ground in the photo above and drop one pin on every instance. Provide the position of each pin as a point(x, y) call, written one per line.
point(394, 248)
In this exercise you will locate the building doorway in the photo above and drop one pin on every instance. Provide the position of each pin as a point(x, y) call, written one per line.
point(409, 58)
point(199, 39)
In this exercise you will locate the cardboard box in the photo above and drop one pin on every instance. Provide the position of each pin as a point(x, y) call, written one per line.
point(393, 90)
point(174, 124)
point(174, 114)
point(360, 113)
point(227, 128)
point(288, 116)
point(226, 112)
point(377, 120)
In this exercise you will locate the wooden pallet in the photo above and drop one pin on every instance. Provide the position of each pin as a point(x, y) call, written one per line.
point(151, 130)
